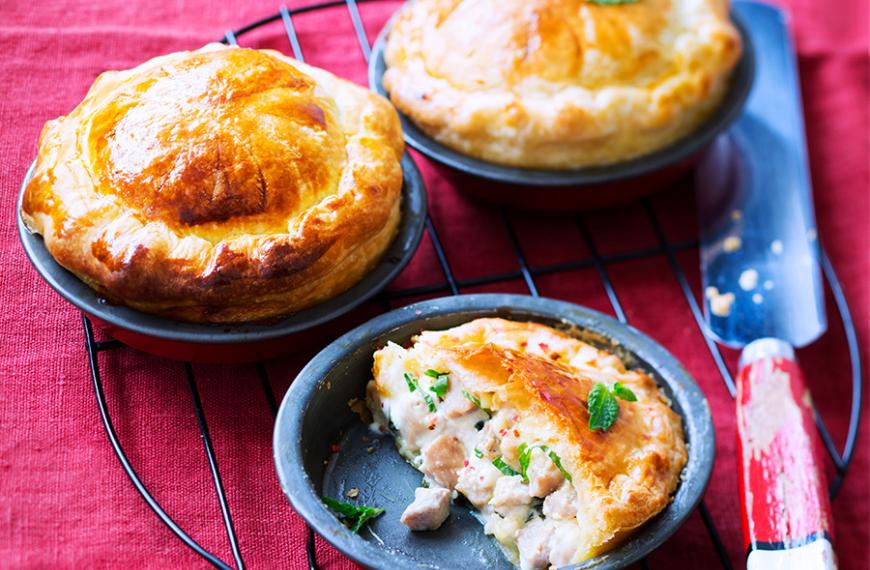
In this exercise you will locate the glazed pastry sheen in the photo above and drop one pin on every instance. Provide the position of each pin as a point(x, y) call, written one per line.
point(220, 185)
point(559, 83)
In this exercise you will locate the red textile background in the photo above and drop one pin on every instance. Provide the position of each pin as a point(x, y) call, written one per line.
point(64, 501)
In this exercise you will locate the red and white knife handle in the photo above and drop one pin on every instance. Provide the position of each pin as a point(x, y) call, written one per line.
point(784, 496)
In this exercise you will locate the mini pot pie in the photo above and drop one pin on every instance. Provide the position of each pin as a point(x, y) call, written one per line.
point(501, 412)
point(220, 185)
point(559, 84)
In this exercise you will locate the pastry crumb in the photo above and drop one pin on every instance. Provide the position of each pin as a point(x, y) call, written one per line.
point(776, 247)
point(768, 285)
point(720, 303)
point(757, 298)
point(359, 407)
point(748, 279)
point(736, 215)
point(732, 243)
point(353, 493)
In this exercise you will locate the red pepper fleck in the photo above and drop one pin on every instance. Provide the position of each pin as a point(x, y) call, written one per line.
point(516, 417)
point(335, 448)
point(555, 356)
point(481, 477)
point(544, 346)
point(517, 433)
point(465, 463)
point(524, 344)
point(502, 431)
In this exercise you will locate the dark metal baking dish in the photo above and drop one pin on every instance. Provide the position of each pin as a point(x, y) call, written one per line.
point(315, 420)
point(583, 188)
point(239, 342)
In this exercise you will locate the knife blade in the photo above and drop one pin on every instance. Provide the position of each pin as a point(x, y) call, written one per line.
point(763, 292)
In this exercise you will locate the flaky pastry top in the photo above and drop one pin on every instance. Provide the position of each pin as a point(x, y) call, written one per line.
point(559, 83)
point(223, 184)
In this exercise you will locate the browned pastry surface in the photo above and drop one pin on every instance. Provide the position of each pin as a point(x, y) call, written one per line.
point(559, 83)
point(220, 185)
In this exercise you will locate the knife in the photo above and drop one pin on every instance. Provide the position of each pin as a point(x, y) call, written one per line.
point(763, 293)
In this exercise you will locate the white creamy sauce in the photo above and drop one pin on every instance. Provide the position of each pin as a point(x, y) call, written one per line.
point(504, 502)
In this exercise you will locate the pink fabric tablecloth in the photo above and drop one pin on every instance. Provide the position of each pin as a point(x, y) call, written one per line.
point(64, 501)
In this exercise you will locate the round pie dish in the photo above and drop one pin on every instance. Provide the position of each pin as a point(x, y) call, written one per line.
point(582, 188)
point(221, 185)
point(321, 446)
point(202, 342)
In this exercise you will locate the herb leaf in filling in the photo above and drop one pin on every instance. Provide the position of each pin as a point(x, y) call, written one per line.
point(476, 401)
point(499, 464)
point(442, 382)
point(414, 385)
point(354, 516)
point(525, 456)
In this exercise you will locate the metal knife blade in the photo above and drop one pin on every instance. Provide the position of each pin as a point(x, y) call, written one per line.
point(763, 291)
point(759, 247)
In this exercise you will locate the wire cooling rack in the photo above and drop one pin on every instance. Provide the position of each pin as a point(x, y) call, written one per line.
point(664, 248)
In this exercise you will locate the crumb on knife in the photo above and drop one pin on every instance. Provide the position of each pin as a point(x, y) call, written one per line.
point(720, 303)
point(748, 280)
point(732, 243)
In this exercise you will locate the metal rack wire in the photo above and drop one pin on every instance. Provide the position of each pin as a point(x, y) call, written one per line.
point(600, 263)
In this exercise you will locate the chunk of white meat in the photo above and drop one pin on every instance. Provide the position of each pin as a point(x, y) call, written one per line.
point(429, 510)
point(412, 422)
point(544, 476)
point(477, 482)
point(509, 449)
point(562, 503)
point(442, 460)
point(489, 439)
point(510, 492)
point(456, 404)
point(504, 528)
point(564, 544)
point(584, 358)
point(406, 411)
point(533, 543)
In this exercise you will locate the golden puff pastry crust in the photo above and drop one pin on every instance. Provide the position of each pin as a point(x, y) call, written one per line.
point(559, 84)
point(219, 185)
point(531, 383)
